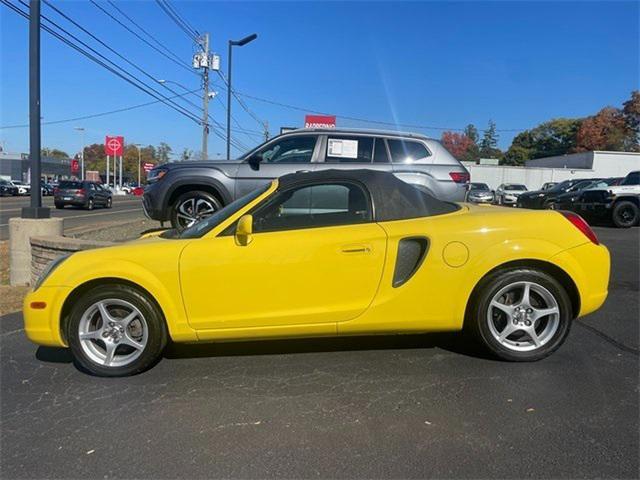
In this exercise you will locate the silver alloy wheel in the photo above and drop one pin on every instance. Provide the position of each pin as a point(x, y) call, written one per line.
point(113, 332)
point(192, 210)
point(523, 316)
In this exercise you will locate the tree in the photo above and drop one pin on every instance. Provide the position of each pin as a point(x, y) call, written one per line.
point(555, 137)
point(186, 154)
point(606, 130)
point(489, 143)
point(53, 152)
point(458, 144)
point(164, 152)
point(472, 132)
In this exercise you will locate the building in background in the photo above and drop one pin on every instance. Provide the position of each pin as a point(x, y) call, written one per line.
point(16, 166)
point(556, 169)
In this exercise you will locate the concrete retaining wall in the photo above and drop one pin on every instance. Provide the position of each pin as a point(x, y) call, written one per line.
point(46, 249)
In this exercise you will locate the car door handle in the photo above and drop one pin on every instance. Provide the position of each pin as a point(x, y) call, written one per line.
point(356, 249)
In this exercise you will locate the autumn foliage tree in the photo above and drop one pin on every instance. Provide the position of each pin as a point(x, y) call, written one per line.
point(458, 144)
point(606, 130)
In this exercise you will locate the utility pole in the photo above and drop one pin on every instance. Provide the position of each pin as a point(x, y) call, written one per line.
point(35, 210)
point(138, 145)
point(82, 131)
point(266, 130)
point(205, 97)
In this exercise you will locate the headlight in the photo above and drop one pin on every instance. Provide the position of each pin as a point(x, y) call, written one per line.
point(156, 174)
point(49, 270)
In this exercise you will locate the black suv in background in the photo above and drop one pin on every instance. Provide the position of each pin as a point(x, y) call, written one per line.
point(539, 199)
point(81, 194)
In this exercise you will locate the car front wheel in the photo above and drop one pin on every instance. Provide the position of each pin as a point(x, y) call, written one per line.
point(520, 314)
point(625, 214)
point(192, 207)
point(116, 330)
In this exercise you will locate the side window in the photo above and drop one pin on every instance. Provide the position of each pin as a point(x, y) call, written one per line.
point(92, 186)
point(407, 151)
point(380, 152)
point(632, 179)
point(295, 149)
point(312, 206)
point(349, 149)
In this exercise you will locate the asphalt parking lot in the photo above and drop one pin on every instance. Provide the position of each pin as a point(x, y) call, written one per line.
point(411, 406)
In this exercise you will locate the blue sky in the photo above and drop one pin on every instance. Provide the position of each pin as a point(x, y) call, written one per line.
point(440, 64)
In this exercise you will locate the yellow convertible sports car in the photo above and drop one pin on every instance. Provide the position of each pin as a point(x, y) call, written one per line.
point(336, 252)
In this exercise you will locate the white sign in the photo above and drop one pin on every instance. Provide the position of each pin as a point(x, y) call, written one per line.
point(343, 148)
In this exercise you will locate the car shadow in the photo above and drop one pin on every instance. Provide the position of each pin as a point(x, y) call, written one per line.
point(54, 355)
point(453, 342)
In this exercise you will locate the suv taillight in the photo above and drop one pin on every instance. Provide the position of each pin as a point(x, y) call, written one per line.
point(460, 177)
point(56, 190)
point(581, 225)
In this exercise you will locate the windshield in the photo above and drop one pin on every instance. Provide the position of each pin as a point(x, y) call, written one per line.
point(479, 186)
point(632, 179)
point(208, 224)
point(514, 186)
point(581, 185)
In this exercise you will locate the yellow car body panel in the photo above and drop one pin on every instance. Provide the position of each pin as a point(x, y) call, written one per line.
point(325, 281)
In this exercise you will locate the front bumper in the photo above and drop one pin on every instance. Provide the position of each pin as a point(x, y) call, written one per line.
point(42, 325)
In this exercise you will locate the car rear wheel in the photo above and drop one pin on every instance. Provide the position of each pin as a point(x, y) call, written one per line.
point(116, 330)
point(520, 314)
point(625, 214)
point(59, 205)
point(192, 207)
point(109, 203)
point(90, 204)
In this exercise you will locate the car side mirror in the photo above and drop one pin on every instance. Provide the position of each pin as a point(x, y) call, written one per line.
point(254, 161)
point(244, 230)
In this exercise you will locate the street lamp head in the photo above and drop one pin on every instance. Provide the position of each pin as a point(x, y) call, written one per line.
point(162, 80)
point(245, 40)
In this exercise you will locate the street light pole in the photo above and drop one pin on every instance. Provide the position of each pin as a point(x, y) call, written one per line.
point(233, 43)
point(139, 160)
point(35, 210)
point(82, 130)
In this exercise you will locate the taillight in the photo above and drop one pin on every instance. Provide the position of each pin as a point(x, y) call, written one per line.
point(581, 225)
point(81, 191)
point(460, 177)
point(56, 191)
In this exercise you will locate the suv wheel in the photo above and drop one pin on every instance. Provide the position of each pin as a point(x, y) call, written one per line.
point(90, 204)
point(520, 314)
point(191, 207)
point(625, 214)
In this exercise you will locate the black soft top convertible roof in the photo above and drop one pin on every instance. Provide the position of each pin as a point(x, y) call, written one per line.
point(392, 198)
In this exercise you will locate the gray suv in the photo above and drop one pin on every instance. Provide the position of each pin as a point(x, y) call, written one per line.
point(186, 192)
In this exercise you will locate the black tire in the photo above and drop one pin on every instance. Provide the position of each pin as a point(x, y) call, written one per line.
point(477, 321)
point(90, 204)
point(157, 331)
point(59, 206)
point(199, 197)
point(109, 203)
point(625, 214)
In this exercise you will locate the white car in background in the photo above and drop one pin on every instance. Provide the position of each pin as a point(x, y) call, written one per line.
point(508, 193)
point(23, 188)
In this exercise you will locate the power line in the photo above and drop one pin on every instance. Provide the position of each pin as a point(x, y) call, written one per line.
point(177, 62)
point(242, 104)
point(97, 60)
point(144, 72)
point(94, 115)
point(158, 42)
point(180, 17)
point(192, 34)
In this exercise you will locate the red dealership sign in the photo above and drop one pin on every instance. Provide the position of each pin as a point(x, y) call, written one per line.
point(148, 167)
point(114, 146)
point(75, 166)
point(320, 121)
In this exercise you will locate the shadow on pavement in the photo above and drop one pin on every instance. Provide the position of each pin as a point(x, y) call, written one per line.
point(453, 342)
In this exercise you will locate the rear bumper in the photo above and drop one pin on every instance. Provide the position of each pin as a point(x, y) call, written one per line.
point(589, 267)
point(42, 326)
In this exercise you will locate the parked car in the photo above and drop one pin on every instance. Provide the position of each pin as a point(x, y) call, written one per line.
point(480, 193)
point(567, 201)
point(186, 192)
point(23, 188)
point(7, 188)
point(322, 254)
point(548, 185)
point(619, 204)
point(538, 199)
point(508, 193)
point(84, 194)
point(47, 189)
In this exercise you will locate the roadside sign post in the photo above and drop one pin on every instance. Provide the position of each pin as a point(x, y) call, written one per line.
point(114, 145)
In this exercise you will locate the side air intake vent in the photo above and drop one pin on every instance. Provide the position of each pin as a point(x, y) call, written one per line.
point(411, 254)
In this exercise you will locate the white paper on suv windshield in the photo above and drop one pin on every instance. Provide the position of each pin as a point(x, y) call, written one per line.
point(343, 148)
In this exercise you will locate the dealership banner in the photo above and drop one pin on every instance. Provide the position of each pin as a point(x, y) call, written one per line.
point(320, 121)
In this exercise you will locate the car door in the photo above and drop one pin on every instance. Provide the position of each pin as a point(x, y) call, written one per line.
point(315, 258)
point(287, 154)
point(344, 152)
